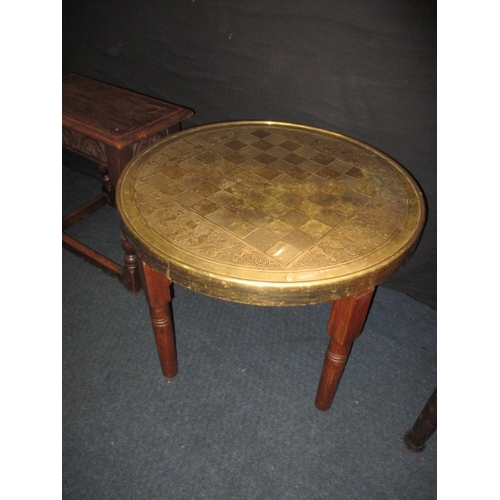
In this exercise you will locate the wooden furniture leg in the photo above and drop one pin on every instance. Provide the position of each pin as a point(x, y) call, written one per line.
point(130, 273)
point(107, 187)
point(157, 291)
point(426, 424)
point(347, 319)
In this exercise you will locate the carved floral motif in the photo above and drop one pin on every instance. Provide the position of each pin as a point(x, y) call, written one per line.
point(84, 145)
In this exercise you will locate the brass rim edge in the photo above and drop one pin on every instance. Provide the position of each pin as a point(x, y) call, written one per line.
point(186, 274)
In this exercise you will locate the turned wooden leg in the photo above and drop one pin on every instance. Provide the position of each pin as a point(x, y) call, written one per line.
point(426, 424)
point(347, 319)
point(130, 272)
point(157, 290)
point(107, 187)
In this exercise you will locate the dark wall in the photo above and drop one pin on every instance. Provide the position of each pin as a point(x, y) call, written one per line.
point(365, 68)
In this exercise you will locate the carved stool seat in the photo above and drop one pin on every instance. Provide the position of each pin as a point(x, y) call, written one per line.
point(270, 214)
point(109, 125)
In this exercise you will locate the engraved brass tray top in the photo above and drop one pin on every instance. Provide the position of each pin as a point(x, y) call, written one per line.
point(270, 213)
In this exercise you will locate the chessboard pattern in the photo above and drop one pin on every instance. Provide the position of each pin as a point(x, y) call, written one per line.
point(270, 197)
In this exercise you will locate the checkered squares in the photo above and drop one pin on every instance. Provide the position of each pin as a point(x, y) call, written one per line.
point(279, 190)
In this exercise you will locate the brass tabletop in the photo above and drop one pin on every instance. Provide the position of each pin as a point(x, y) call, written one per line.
point(270, 213)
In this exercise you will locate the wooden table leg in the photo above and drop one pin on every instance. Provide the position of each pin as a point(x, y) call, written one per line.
point(157, 291)
point(347, 319)
point(426, 424)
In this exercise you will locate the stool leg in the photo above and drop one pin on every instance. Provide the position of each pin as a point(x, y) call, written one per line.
point(157, 291)
point(107, 187)
point(130, 272)
point(424, 427)
point(347, 319)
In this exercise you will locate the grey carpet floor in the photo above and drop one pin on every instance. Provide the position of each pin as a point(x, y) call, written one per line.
point(238, 421)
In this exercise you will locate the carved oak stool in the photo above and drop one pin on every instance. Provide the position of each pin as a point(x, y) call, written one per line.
point(109, 125)
point(270, 214)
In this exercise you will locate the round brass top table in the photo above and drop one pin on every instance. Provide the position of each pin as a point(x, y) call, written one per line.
point(273, 214)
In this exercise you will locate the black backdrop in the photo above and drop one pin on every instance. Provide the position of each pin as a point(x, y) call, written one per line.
point(365, 68)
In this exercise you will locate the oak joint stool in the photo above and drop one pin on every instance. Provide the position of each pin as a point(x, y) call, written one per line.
point(109, 125)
